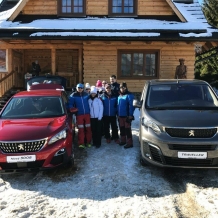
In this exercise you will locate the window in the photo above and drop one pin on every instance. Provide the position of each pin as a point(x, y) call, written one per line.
point(71, 8)
point(122, 7)
point(2, 60)
point(138, 64)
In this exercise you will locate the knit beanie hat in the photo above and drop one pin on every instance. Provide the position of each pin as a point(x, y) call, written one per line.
point(99, 83)
point(93, 90)
point(87, 86)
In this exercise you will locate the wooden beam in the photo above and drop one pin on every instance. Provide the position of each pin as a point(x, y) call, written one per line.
point(206, 47)
point(3, 42)
point(169, 42)
point(214, 44)
point(80, 65)
point(20, 5)
point(189, 43)
point(9, 60)
point(148, 42)
point(176, 10)
point(107, 42)
point(53, 61)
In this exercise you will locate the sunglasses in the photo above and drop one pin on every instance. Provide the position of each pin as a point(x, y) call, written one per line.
point(79, 87)
point(104, 83)
point(122, 87)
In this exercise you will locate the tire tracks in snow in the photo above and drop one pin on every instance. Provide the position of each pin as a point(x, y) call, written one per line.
point(184, 199)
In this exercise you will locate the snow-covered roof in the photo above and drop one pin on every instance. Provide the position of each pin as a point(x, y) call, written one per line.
point(196, 26)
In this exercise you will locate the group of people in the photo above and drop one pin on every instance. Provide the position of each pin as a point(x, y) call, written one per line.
point(100, 107)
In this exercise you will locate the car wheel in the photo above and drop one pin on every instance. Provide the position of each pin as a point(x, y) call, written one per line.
point(143, 162)
point(70, 162)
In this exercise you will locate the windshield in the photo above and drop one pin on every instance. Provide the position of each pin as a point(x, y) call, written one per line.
point(181, 96)
point(33, 107)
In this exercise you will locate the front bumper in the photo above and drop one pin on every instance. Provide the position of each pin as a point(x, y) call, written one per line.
point(162, 150)
point(49, 157)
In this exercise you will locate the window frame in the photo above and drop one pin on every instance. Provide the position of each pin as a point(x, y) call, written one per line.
point(111, 14)
point(144, 51)
point(61, 14)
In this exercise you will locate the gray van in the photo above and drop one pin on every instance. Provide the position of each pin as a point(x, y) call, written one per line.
point(178, 124)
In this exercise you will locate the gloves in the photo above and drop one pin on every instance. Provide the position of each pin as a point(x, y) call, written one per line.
point(129, 119)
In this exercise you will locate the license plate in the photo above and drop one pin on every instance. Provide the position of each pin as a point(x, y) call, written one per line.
point(192, 155)
point(22, 158)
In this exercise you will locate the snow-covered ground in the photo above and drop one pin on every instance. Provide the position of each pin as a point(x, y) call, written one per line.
point(110, 182)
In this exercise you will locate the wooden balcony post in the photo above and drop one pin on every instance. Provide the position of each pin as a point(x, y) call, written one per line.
point(9, 60)
point(53, 61)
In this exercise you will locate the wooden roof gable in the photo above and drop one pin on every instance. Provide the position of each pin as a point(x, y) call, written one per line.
point(177, 12)
point(22, 3)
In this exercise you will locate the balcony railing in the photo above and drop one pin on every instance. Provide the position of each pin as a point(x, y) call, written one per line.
point(9, 81)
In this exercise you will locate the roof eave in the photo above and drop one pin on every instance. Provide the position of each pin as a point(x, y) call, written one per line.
point(162, 37)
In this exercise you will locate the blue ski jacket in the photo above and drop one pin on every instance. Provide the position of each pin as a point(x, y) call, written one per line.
point(125, 104)
point(110, 104)
point(80, 101)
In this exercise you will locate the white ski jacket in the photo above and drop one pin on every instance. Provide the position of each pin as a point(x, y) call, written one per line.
point(96, 108)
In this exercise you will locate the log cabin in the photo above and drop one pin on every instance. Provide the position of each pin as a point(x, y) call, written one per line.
point(87, 40)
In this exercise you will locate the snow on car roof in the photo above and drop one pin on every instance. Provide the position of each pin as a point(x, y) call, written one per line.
point(45, 86)
point(40, 92)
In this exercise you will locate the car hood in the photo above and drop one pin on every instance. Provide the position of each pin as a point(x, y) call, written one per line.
point(29, 129)
point(185, 118)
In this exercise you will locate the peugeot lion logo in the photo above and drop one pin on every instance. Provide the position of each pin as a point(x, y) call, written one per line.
point(20, 147)
point(191, 133)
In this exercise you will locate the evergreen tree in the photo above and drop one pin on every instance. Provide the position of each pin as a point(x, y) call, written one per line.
point(206, 65)
point(210, 9)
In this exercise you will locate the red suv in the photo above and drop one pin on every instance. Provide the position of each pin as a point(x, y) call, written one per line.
point(36, 131)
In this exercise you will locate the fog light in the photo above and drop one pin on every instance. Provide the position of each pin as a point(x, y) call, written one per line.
point(146, 150)
point(60, 152)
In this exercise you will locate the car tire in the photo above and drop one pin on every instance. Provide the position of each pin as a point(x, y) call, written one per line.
point(143, 162)
point(70, 162)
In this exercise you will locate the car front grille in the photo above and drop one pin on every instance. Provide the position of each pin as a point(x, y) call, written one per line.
point(181, 147)
point(22, 146)
point(191, 133)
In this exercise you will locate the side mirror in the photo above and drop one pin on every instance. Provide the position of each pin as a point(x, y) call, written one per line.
point(73, 110)
point(137, 104)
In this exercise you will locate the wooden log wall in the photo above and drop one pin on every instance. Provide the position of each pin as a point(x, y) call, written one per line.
point(36, 7)
point(67, 65)
point(97, 60)
point(154, 7)
point(100, 60)
point(96, 7)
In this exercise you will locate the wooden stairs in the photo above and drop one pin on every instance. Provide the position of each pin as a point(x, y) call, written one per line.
point(7, 95)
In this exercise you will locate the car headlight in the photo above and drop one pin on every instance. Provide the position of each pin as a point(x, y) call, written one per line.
point(151, 124)
point(61, 135)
